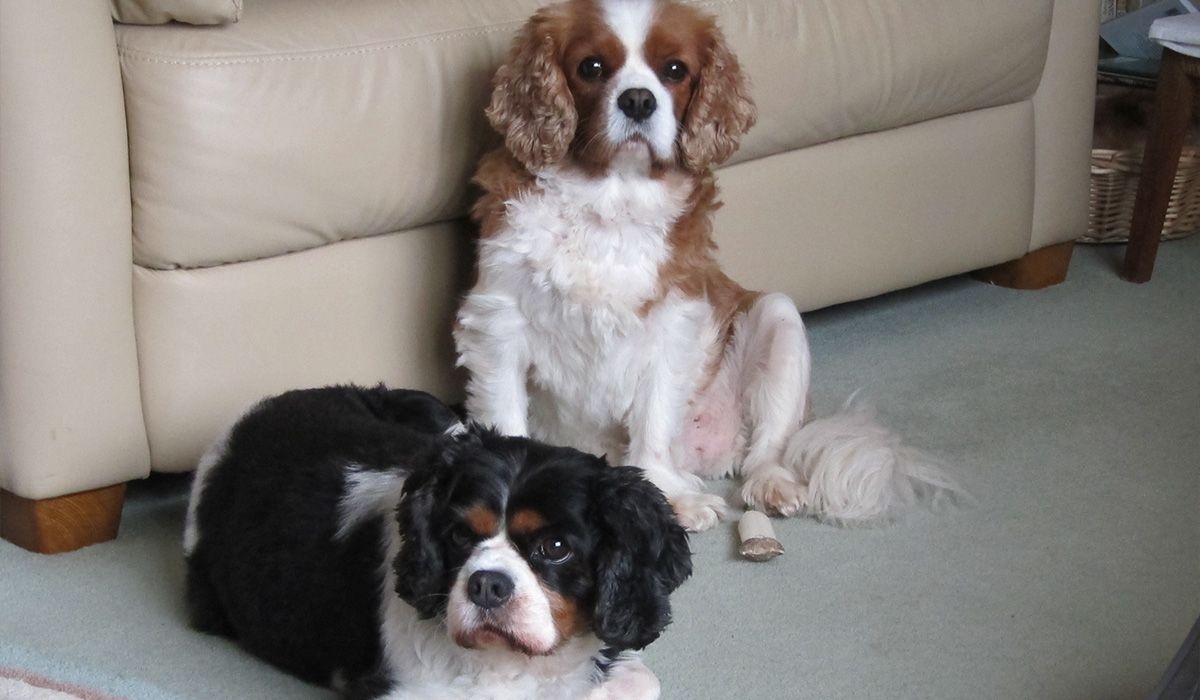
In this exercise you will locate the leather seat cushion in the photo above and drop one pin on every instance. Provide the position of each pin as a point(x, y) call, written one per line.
point(309, 121)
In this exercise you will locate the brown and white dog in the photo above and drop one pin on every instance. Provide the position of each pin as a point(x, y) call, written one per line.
point(601, 319)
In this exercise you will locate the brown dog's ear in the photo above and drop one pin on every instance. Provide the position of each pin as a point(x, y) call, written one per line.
point(721, 109)
point(531, 105)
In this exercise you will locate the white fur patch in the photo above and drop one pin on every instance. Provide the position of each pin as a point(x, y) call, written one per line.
point(630, 21)
point(211, 457)
point(560, 298)
point(628, 679)
point(367, 493)
point(526, 616)
point(859, 472)
point(593, 241)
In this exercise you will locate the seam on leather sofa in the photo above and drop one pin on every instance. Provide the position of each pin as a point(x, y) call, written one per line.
point(138, 55)
point(176, 267)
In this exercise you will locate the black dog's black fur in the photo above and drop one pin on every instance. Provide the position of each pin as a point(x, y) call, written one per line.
point(267, 520)
point(269, 570)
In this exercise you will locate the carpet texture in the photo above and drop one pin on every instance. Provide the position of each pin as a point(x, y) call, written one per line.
point(1071, 414)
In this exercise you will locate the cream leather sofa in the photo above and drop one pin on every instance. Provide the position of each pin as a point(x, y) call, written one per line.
point(194, 217)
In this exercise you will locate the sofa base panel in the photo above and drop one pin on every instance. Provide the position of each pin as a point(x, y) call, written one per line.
point(64, 523)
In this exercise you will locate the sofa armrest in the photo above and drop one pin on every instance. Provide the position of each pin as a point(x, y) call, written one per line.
point(70, 406)
point(1062, 112)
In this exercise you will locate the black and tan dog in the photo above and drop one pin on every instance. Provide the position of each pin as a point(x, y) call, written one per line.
point(368, 540)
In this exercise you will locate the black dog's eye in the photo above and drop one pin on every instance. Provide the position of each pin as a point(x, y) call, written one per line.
point(553, 550)
point(675, 71)
point(462, 537)
point(591, 68)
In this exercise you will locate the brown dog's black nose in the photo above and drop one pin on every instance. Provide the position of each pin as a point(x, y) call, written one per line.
point(637, 103)
point(489, 589)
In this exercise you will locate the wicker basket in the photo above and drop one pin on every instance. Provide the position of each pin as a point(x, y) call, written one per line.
point(1114, 186)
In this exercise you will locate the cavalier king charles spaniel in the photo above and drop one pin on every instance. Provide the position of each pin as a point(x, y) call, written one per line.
point(367, 540)
point(600, 317)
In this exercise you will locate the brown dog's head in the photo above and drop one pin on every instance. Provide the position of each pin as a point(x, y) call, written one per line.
point(591, 80)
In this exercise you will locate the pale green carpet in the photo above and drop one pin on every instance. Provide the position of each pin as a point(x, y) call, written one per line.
point(1072, 414)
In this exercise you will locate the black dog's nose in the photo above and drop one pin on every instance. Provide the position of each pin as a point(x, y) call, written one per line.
point(489, 589)
point(637, 103)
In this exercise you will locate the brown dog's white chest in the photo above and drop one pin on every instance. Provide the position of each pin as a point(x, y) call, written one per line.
point(594, 243)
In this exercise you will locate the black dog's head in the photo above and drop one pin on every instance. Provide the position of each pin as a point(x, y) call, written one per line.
point(525, 546)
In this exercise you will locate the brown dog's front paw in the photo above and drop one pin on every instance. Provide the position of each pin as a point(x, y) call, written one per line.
point(697, 512)
point(776, 491)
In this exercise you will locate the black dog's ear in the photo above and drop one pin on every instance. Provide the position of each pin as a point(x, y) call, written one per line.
point(420, 565)
point(642, 557)
point(422, 574)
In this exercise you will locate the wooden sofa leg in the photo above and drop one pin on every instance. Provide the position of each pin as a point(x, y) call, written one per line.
point(62, 524)
point(1039, 269)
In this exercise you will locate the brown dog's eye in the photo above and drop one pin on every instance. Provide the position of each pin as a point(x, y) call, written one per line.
point(553, 550)
point(675, 71)
point(591, 68)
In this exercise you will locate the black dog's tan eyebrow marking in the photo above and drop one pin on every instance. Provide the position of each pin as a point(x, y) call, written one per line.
point(482, 520)
point(526, 521)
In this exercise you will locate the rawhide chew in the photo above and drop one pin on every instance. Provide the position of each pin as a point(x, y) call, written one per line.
point(758, 537)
